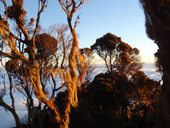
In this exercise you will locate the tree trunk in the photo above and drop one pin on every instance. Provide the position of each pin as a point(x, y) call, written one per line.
point(17, 120)
point(35, 80)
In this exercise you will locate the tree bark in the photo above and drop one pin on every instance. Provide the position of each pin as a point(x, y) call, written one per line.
point(35, 80)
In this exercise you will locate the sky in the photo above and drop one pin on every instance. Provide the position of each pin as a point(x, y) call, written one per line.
point(123, 18)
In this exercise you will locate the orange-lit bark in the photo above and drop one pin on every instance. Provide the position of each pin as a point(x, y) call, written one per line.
point(27, 55)
point(35, 80)
point(72, 78)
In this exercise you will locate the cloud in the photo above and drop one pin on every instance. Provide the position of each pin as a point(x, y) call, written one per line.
point(148, 68)
point(151, 72)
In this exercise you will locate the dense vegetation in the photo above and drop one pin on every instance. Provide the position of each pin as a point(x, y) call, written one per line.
point(111, 100)
point(157, 15)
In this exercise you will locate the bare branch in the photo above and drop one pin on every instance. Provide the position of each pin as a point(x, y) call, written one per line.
point(43, 5)
point(64, 7)
point(11, 90)
point(9, 55)
point(77, 21)
point(3, 91)
point(19, 39)
point(80, 4)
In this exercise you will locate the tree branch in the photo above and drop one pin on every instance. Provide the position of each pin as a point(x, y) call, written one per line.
point(43, 5)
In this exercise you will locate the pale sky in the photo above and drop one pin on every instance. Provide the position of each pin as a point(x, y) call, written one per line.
point(123, 18)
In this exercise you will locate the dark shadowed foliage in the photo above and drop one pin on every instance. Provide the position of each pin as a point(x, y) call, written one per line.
point(117, 55)
point(113, 100)
point(157, 15)
point(46, 46)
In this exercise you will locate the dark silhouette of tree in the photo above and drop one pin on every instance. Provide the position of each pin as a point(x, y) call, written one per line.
point(117, 55)
point(10, 108)
point(44, 48)
point(157, 15)
point(145, 99)
point(113, 100)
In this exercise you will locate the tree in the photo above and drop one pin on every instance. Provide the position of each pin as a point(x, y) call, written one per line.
point(63, 36)
point(117, 55)
point(158, 29)
point(88, 55)
point(10, 108)
point(145, 100)
point(25, 55)
point(44, 48)
point(73, 80)
point(114, 100)
point(19, 78)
